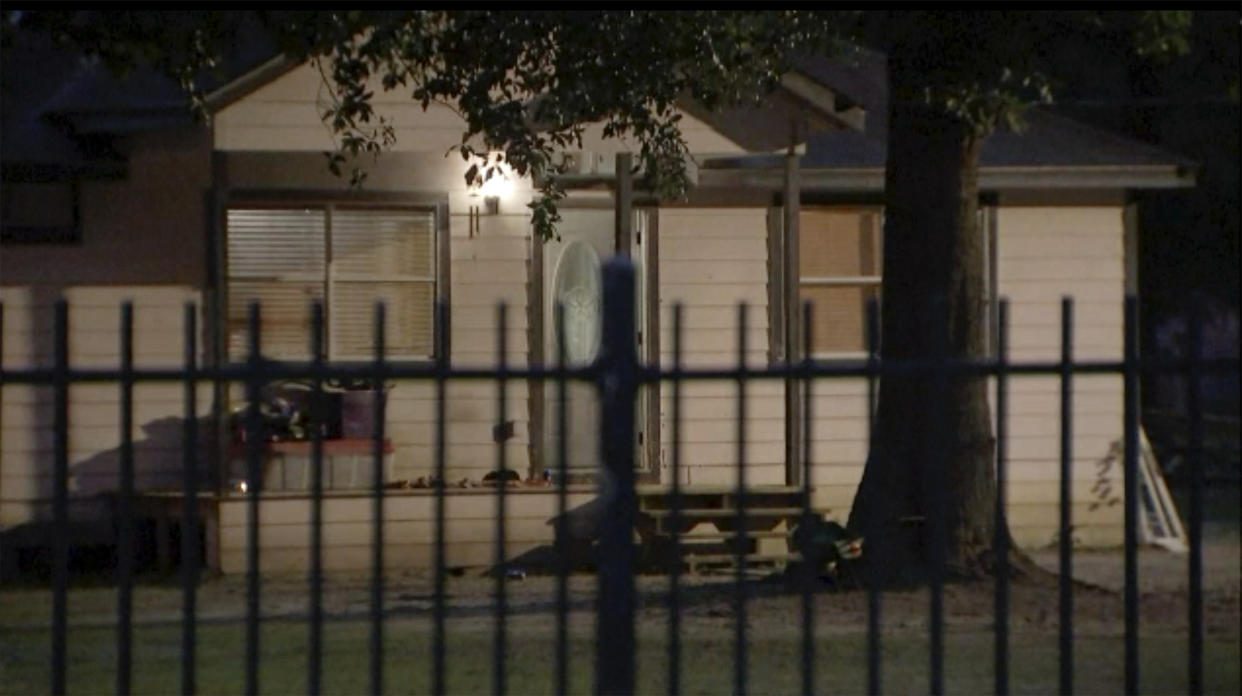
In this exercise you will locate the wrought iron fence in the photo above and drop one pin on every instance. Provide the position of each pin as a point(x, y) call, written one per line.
point(618, 375)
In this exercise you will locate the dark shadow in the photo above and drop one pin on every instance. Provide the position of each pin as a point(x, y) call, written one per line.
point(580, 551)
point(26, 549)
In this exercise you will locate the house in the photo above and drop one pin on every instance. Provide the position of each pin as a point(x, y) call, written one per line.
point(112, 194)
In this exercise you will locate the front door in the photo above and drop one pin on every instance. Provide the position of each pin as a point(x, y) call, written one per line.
point(573, 278)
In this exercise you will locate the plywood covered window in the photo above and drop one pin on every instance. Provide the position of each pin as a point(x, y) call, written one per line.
point(839, 265)
point(348, 258)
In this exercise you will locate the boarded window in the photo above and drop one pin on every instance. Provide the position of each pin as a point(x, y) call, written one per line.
point(350, 259)
point(839, 265)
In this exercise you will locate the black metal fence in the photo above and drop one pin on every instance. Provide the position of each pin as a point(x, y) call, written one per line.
point(618, 375)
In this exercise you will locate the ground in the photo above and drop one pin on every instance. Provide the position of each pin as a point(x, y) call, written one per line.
point(708, 630)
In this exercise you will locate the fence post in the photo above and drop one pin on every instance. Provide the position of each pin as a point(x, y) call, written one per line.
point(618, 386)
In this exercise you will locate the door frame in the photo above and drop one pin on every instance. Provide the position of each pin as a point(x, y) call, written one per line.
point(645, 251)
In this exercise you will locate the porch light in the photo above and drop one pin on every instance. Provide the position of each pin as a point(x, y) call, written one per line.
point(499, 185)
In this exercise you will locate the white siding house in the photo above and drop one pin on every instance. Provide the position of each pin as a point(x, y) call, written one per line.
point(160, 236)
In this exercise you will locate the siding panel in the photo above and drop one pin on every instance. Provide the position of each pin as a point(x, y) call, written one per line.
point(712, 260)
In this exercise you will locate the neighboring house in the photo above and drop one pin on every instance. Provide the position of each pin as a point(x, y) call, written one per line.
point(111, 194)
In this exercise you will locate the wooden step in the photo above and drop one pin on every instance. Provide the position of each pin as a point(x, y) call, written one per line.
point(729, 513)
point(714, 489)
point(728, 535)
point(729, 560)
point(655, 498)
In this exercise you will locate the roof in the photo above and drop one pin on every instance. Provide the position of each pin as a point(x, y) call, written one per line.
point(57, 106)
point(32, 74)
point(62, 109)
point(1051, 148)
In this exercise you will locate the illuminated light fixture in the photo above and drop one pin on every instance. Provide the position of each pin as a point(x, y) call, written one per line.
point(490, 188)
point(494, 187)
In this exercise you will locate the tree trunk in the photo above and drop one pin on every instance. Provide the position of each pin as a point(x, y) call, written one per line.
point(929, 473)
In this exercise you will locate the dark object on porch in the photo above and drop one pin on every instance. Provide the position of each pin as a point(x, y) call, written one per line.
point(508, 475)
point(828, 549)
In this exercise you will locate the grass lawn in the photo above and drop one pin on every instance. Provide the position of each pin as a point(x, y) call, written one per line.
point(774, 621)
point(774, 661)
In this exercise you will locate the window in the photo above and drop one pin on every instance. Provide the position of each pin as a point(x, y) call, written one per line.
point(348, 258)
point(839, 264)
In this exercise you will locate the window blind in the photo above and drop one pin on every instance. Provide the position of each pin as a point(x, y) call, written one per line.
point(276, 258)
point(349, 259)
point(386, 256)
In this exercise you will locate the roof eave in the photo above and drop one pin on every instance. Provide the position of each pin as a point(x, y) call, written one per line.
point(248, 82)
point(797, 108)
point(1149, 176)
point(825, 101)
point(871, 179)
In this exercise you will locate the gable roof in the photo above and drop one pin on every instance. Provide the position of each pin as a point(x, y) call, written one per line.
point(1052, 151)
point(33, 147)
point(57, 106)
point(61, 109)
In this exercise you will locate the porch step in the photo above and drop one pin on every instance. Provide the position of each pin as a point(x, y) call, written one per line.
point(717, 536)
point(727, 512)
point(707, 533)
point(776, 561)
point(653, 498)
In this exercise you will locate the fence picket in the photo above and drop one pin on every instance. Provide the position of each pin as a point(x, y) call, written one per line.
point(1065, 675)
point(674, 606)
point(874, 606)
point(1000, 527)
point(1195, 456)
point(125, 510)
point(439, 634)
point(501, 607)
point(740, 541)
point(377, 494)
point(1130, 497)
point(60, 494)
point(809, 571)
point(318, 421)
point(189, 507)
point(254, 486)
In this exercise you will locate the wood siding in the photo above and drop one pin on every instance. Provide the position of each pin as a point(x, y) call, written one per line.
point(1043, 254)
point(286, 115)
point(409, 519)
point(26, 436)
point(143, 239)
point(712, 260)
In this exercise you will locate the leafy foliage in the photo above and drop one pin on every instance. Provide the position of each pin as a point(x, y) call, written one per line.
point(527, 84)
point(987, 67)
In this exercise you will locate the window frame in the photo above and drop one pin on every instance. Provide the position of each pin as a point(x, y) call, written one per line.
point(440, 279)
point(859, 281)
point(988, 211)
